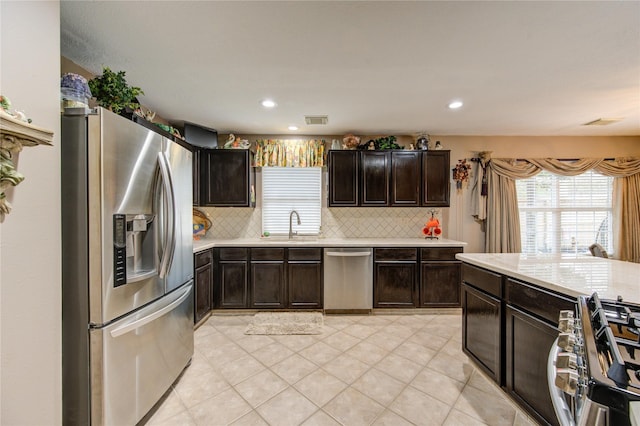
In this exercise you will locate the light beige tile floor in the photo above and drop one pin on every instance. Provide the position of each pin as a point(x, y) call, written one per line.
point(363, 370)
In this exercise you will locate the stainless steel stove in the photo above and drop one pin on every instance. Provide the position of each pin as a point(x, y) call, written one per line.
point(594, 370)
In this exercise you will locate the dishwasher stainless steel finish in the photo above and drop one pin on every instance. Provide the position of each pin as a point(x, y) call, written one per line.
point(348, 280)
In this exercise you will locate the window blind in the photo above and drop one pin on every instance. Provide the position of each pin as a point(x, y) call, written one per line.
point(565, 214)
point(291, 188)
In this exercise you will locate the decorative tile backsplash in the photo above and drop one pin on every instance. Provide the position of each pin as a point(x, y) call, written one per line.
point(343, 222)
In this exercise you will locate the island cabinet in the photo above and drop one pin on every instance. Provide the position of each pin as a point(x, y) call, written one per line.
point(269, 278)
point(436, 181)
point(531, 320)
point(395, 277)
point(482, 311)
point(396, 178)
point(226, 178)
point(233, 273)
point(508, 328)
point(344, 177)
point(203, 277)
point(439, 277)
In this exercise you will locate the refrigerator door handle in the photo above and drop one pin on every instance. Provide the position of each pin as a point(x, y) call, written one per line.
point(170, 244)
point(125, 328)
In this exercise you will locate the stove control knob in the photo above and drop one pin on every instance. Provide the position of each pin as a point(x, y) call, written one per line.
point(566, 324)
point(567, 380)
point(567, 360)
point(566, 341)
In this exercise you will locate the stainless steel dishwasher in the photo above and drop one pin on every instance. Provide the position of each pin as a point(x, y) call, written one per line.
point(348, 280)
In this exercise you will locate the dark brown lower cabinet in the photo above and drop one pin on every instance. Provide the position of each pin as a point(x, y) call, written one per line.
point(269, 278)
point(481, 330)
point(267, 284)
point(233, 274)
point(440, 284)
point(203, 278)
point(395, 277)
point(305, 284)
point(528, 341)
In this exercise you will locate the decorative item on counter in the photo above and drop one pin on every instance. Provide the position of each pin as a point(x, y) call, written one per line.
point(432, 229)
point(234, 143)
point(411, 147)
point(461, 173)
point(350, 142)
point(201, 224)
point(74, 91)
point(112, 91)
point(335, 144)
point(423, 142)
point(438, 146)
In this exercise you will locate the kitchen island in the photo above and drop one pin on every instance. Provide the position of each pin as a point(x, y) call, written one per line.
point(571, 275)
point(511, 304)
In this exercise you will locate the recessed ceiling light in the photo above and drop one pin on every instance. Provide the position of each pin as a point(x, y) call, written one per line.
point(268, 103)
point(455, 104)
point(293, 127)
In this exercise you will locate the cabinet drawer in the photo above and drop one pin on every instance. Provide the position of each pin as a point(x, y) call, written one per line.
point(393, 254)
point(305, 253)
point(202, 258)
point(540, 302)
point(482, 279)
point(267, 254)
point(233, 253)
point(444, 253)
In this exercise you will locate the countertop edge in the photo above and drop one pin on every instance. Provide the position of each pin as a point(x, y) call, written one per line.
point(200, 245)
point(615, 276)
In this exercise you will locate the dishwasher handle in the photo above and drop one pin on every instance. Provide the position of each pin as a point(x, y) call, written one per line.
point(348, 253)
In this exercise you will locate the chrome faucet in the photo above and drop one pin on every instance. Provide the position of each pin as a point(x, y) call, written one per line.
point(291, 233)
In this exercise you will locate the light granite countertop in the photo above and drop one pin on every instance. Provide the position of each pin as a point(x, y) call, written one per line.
point(572, 275)
point(304, 241)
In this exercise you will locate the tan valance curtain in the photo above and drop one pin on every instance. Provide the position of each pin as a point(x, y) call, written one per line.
point(501, 212)
point(289, 153)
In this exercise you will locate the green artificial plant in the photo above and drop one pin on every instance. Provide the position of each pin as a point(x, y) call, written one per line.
point(112, 91)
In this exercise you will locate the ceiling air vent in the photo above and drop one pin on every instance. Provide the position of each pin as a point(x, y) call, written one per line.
point(316, 119)
point(602, 122)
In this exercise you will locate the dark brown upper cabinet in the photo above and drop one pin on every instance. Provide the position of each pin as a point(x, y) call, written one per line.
point(344, 172)
point(405, 178)
point(393, 178)
point(226, 178)
point(375, 178)
point(435, 179)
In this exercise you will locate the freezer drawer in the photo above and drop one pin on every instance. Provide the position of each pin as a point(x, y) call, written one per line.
point(136, 359)
point(348, 279)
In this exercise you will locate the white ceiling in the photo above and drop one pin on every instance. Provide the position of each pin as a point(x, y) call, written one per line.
point(374, 67)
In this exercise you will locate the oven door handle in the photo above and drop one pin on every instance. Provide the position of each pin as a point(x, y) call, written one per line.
point(560, 406)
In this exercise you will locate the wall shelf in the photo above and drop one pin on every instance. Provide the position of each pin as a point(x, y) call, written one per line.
point(14, 135)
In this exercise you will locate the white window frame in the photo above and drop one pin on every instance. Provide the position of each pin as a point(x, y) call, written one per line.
point(529, 215)
point(285, 189)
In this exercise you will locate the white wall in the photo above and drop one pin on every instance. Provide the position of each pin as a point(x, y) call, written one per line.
point(30, 283)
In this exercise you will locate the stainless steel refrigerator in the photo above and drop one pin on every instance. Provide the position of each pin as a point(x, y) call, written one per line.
point(127, 271)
